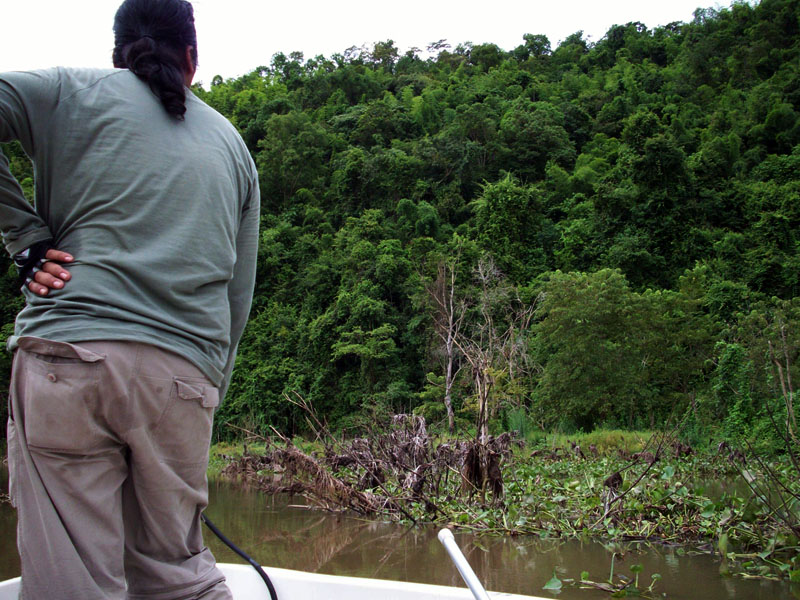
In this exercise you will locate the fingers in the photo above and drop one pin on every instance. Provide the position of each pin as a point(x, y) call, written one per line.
point(37, 288)
point(55, 270)
point(51, 275)
point(43, 282)
point(58, 255)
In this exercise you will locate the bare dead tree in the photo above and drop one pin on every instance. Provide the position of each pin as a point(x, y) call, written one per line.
point(482, 349)
point(493, 350)
point(448, 317)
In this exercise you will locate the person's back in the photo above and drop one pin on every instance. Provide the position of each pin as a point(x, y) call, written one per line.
point(138, 261)
point(148, 204)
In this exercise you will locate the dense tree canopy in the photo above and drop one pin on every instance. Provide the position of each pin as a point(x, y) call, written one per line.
point(639, 193)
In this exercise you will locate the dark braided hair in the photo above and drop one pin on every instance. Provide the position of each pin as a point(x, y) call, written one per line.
point(150, 39)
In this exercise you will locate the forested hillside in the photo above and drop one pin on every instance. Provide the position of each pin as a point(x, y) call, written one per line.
point(593, 234)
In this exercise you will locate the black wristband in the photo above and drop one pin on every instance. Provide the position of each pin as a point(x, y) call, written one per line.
point(29, 260)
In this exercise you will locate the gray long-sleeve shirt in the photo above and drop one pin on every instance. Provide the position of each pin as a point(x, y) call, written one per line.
point(161, 215)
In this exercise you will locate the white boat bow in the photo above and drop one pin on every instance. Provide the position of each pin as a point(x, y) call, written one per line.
point(246, 584)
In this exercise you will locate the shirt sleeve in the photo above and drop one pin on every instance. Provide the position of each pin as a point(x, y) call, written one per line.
point(240, 289)
point(26, 101)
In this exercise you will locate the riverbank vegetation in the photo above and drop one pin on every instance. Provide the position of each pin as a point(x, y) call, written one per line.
point(640, 487)
point(592, 236)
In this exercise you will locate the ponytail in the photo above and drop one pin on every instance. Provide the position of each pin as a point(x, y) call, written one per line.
point(150, 39)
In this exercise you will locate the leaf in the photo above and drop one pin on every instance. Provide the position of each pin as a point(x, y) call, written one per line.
point(554, 583)
point(584, 575)
point(726, 516)
point(794, 576)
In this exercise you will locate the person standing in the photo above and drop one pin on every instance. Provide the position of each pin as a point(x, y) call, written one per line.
point(138, 261)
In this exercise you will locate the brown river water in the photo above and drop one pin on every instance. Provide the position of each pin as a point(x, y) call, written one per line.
point(279, 533)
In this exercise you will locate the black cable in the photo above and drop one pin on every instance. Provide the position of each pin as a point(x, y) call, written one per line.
point(241, 553)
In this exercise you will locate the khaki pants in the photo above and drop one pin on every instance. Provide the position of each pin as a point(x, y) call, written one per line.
point(108, 450)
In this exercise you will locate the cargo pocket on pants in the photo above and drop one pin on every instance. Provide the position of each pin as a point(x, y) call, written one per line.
point(60, 395)
point(184, 431)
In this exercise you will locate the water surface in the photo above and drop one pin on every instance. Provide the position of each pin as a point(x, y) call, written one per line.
point(279, 533)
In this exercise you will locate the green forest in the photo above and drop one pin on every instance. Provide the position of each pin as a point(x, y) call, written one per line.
point(541, 238)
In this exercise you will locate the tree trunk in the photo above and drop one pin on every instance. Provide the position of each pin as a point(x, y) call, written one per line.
point(448, 403)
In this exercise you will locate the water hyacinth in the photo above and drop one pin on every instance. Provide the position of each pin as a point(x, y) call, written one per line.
point(654, 493)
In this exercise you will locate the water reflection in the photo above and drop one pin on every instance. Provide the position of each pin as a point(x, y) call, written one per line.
point(278, 533)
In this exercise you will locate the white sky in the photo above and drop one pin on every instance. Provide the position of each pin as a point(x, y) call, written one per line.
point(236, 36)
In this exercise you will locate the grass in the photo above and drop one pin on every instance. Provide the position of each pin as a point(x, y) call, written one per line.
point(605, 440)
point(222, 453)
